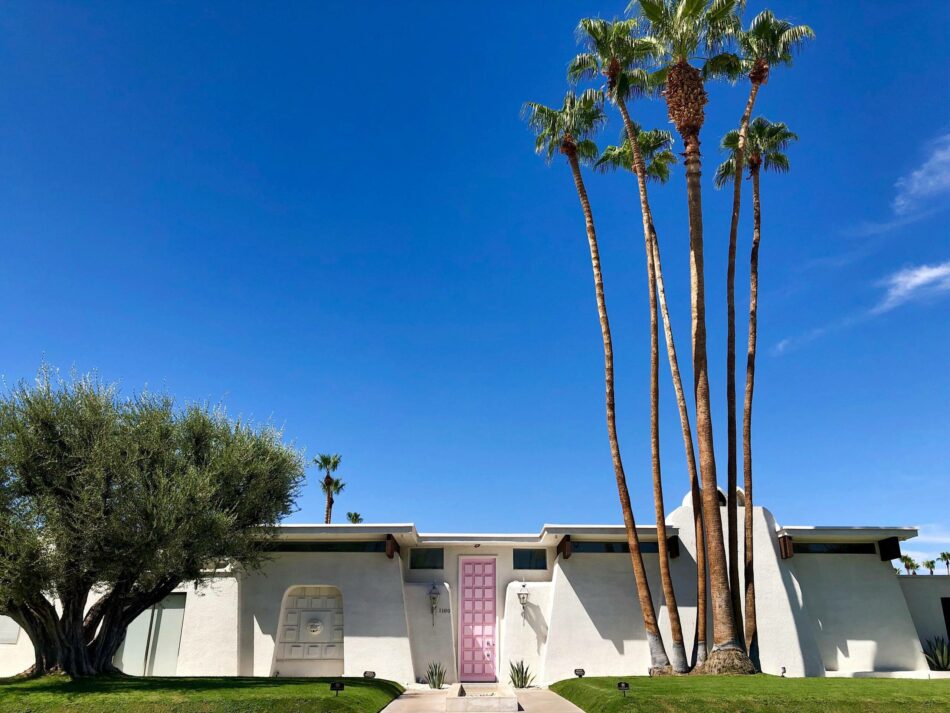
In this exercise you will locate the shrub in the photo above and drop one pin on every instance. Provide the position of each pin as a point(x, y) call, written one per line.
point(435, 674)
point(937, 653)
point(520, 675)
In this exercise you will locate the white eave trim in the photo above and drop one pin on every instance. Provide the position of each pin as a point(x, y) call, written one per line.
point(822, 533)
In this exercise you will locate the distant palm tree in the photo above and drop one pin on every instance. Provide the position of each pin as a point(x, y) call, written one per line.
point(929, 565)
point(568, 130)
point(615, 53)
point(909, 564)
point(354, 517)
point(769, 42)
point(331, 486)
point(691, 31)
point(945, 558)
point(766, 143)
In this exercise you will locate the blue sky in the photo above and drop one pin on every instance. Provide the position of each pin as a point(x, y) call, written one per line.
point(329, 216)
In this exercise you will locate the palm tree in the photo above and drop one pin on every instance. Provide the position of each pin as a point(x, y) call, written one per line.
point(769, 42)
point(567, 130)
point(909, 564)
point(354, 517)
point(766, 143)
point(331, 486)
point(614, 52)
point(945, 558)
point(657, 158)
point(929, 565)
point(686, 29)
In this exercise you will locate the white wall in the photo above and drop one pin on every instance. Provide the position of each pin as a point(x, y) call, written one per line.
point(16, 657)
point(858, 613)
point(923, 594)
point(209, 634)
point(525, 638)
point(432, 639)
point(375, 630)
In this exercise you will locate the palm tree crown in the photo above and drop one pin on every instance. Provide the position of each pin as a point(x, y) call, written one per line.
point(945, 558)
point(327, 462)
point(354, 517)
point(654, 146)
point(568, 129)
point(765, 146)
point(769, 42)
point(691, 29)
point(615, 52)
point(929, 565)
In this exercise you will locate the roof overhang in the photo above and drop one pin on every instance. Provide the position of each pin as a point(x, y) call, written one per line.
point(802, 533)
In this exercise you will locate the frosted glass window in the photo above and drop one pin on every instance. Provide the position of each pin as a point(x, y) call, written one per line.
point(152, 640)
point(9, 630)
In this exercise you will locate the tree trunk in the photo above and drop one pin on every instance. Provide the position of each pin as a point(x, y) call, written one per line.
point(699, 645)
point(751, 629)
point(328, 489)
point(732, 503)
point(659, 660)
point(724, 625)
point(678, 649)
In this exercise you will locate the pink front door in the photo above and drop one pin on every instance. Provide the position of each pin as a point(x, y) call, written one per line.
point(477, 619)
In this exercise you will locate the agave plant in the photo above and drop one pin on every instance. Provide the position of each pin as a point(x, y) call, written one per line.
point(519, 674)
point(937, 653)
point(435, 674)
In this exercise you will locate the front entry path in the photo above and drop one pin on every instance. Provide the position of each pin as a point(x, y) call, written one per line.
point(532, 700)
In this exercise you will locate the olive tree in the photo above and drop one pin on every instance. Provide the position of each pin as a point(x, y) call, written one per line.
point(107, 504)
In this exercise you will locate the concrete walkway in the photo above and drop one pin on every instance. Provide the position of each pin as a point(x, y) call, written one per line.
point(532, 700)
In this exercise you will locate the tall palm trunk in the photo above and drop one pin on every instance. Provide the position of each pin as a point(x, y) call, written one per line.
point(732, 501)
point(751, 630)
point(685, 97)
point(699, 646)
point(678, 648)
point(658, 657)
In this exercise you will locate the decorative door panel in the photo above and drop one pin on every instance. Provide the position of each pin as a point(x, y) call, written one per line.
point(477, 619)
point(312, 627)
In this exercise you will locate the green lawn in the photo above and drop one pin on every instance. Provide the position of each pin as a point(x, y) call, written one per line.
point(195, 695)
point(756, 694)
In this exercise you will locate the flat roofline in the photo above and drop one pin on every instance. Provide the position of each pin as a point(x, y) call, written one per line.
point(846, 533)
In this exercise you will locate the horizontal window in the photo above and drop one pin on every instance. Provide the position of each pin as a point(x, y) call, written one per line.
point(373, 546)
point(833, 548)
point(530, 559)
point(589, 547)
point(426, 558)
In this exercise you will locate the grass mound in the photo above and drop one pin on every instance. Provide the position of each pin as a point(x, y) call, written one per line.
point(755, 694)
point(59, 694)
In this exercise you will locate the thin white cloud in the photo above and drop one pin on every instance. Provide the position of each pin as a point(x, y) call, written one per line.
point(918, 194)
point(914, 283)
point(929, 182)
point(909, 284)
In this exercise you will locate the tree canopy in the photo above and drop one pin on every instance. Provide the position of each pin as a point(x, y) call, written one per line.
point(113, 502)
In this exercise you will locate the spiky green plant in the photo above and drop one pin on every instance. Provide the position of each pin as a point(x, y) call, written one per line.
point(519, 674)
point(937, 653)
point(435, 674)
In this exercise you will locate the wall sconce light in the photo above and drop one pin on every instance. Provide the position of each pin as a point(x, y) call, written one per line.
point(433, 601)
point(523, 599)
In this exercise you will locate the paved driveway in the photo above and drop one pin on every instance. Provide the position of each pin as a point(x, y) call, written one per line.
point(533, 700)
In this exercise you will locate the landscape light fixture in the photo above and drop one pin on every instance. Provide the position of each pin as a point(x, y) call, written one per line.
point(783, 672)
point(623, 687)
point(336, 686)
point(369, 674)
point(433, 601)
point(579, 672)
point(523, 600)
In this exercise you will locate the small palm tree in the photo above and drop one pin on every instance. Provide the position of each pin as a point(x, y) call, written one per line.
point(690, 31)
point(945, 558)
point(568, 130)
point(909, 564)
point(930, 565)
point(354, 517)
point(331, 486)
point(768, 42)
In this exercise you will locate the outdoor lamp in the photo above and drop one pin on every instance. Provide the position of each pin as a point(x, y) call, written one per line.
point(523, 599)
point(433, 601)
point(579, 672)
point(623, 687)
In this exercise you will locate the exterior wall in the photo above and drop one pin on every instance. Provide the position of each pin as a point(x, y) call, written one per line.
point(432, 639)
point(375, 629)
point(858, 613)
point(923, 594)
point(525, 637)
point(209, 633)
point(17, 657)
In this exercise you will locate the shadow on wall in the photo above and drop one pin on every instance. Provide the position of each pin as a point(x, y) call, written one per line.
point(534, 617)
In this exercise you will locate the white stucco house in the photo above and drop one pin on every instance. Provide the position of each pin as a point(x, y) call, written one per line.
point(345, 599)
